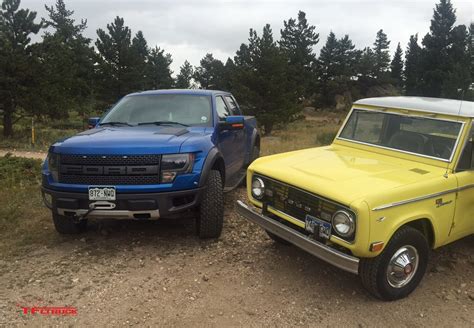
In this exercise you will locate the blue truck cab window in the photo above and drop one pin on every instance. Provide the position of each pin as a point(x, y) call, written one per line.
point(222, 109)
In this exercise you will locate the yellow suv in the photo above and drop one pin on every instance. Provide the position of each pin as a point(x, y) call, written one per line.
point(397, 181)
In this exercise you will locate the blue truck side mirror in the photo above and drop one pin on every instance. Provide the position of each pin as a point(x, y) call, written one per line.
point(232, 123)
point(93, 121)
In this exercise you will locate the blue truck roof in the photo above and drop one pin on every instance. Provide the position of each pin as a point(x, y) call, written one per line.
point(202, 92)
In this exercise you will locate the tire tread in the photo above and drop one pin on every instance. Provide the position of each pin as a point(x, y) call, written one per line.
point(211, 211)
point(370, 268)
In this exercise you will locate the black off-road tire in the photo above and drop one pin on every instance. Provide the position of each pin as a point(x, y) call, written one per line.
point(211, 211)
point(373, 271)
point(66, 225)
point(277, 239)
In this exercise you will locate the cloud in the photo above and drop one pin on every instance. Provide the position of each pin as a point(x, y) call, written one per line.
point(190, 29)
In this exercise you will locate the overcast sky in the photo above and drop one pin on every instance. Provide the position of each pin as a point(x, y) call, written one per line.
point(189, 29)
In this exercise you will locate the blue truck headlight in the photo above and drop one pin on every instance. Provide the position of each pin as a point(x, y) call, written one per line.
point(53, 165)
point(174, 164)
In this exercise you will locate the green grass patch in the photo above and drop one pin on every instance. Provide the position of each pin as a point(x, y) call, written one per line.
point(18, 172)
point(46, 132)
point(22, 215)
point(44, 137)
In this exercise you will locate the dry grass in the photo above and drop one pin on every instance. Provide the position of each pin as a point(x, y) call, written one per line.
point(317, 130)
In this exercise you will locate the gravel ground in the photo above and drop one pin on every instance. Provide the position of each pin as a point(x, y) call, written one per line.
point(159, 274)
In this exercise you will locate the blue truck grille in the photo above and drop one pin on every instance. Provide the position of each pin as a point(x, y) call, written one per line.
point(109, 180)
point(111, 160)
point(109, 170)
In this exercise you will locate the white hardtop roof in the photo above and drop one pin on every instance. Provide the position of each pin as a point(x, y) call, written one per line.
point(423, 104)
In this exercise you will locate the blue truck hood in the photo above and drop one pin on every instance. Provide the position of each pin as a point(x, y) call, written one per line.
point(128, 140)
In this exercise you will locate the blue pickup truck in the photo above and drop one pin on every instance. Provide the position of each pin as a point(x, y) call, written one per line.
point(155, 154)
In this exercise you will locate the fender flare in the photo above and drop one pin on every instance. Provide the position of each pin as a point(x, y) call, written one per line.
point(253, 139)
point(213, 155)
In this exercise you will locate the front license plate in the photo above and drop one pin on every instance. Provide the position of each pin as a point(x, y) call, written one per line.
point(101, 193)
point(317, 226)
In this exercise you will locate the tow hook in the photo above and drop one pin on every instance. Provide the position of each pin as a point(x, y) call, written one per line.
point(99, 205)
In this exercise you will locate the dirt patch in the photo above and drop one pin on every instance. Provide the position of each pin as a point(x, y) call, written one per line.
point(160, 274)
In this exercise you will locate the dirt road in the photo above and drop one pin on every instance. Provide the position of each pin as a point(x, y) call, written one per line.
point(159, 274)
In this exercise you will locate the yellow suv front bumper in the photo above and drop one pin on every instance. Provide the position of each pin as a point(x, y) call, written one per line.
point(332, 256)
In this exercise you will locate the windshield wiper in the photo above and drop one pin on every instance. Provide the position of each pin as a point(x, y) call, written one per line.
point(116, 123)
point(161, 123)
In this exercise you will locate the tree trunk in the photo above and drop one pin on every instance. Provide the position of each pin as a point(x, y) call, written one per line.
point(7, 121)
point(267, 128)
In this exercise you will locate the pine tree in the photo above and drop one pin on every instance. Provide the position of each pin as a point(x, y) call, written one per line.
point(115, 62)
point(60, 19)
point(457, 78)
point(445, 54)
point(67, 64)
point(366, 65)
point(381, 55)
point(139, 66)
point(413, 72)
point(159, 70)
point(469, 95)
point(396, 67)
point(17, 62)
point(346, 58)
point(185, 76)
point(265, 89)
point(327, 59)
point(210, 73)
point(297, 41)
point(336, 68)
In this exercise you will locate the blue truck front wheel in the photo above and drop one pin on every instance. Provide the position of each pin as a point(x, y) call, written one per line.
point(211, 210)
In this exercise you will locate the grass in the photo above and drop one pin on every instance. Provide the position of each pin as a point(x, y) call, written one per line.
point(46, 133)
point(22, 214)
point(45, 137)
point(314, 131)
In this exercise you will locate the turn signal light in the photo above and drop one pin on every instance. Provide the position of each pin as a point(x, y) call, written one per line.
point(376, 247)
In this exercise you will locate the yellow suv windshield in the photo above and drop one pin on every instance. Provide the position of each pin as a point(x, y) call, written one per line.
point(418, 135)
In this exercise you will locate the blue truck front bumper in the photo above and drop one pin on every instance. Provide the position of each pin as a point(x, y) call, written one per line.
point(126, 205)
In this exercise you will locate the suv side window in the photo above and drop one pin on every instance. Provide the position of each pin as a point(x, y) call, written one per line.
point(234, 109)
point(466, 160)
point(222, 109)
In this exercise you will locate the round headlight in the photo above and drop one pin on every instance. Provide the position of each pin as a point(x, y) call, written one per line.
point(258, 188)
point(343, 223)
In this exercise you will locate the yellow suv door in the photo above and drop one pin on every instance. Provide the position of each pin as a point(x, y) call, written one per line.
point(464, 215)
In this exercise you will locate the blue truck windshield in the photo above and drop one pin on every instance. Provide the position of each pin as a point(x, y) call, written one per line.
point(180, 108)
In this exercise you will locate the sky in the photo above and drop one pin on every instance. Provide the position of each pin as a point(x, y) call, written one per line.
point(189, 29)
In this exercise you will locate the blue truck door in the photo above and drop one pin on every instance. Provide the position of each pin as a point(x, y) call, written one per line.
point(240, 144)
point(226, 139)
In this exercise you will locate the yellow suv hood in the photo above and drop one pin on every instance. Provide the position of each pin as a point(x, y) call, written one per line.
point(342, 173)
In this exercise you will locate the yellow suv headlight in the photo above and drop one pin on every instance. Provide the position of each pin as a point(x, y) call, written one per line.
point(343, 223)
point(258, 188)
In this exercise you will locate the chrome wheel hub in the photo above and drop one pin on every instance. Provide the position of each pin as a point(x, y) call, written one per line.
point(402, 266)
